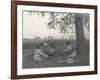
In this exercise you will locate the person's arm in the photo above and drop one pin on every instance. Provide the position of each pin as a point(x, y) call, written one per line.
point(66, 50)
point(41, 53)
point(70, 48)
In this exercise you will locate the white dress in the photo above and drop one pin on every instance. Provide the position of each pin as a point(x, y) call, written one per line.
point(37, 55)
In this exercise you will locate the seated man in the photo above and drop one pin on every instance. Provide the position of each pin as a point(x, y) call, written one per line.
point(49, 49)
point(38, 52)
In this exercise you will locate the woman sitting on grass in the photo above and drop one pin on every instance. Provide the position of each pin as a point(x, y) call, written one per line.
point(38, 53)
point(69, 50)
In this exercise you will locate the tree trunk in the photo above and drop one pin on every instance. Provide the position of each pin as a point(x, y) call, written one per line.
point(79, 33)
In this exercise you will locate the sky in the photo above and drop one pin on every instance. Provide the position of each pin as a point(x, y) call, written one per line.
point(36, 25)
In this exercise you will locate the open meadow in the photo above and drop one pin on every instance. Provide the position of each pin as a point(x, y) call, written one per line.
point(53, 61)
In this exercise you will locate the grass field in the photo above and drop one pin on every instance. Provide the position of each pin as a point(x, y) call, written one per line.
point(52, 61)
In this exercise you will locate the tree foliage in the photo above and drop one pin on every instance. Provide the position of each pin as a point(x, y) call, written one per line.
point(63, 21)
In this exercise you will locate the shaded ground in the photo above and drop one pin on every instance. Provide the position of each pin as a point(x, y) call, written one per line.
point(52, 61)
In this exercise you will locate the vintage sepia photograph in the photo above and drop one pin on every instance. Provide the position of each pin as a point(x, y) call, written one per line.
point(55, 39)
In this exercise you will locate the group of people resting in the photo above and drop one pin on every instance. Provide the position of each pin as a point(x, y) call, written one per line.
point(42, 51)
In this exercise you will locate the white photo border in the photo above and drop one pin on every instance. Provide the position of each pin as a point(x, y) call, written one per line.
point(21, 71)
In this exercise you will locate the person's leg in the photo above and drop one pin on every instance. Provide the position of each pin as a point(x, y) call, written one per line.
point(37, 58)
